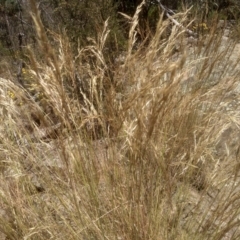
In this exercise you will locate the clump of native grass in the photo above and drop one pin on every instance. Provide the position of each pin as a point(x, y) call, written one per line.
point(120, 152)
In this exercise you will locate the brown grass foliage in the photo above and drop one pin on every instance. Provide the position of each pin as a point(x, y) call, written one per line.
point(128, 150)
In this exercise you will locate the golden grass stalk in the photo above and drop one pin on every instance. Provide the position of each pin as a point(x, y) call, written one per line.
point(144, 165)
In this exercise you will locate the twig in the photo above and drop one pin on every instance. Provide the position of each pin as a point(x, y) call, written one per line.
point(169, 14)
point(19, 73)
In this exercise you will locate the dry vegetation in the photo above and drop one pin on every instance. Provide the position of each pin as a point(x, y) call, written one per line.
point(143, 149)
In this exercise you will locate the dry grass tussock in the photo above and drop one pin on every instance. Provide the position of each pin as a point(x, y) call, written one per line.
point(145, 149)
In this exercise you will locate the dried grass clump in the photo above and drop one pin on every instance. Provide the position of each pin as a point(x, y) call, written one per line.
point(123, 152)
